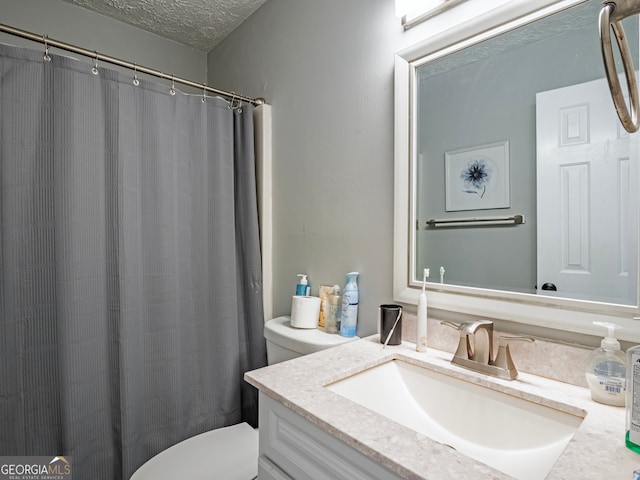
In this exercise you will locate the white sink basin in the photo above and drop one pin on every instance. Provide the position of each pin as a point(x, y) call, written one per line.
point(513, 435)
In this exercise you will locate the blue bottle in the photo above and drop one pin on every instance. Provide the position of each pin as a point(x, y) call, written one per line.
point(303, 288)
point(350, 306)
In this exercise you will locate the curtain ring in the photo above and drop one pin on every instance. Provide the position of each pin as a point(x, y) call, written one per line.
point(94, 70)
point(204, 92)
point(47, 57)
point(231, 106)
point(136, 82)
point(235, 103)
point(173, 85)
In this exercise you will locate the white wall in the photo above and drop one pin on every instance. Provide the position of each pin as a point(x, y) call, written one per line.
point(327, 69)
point(72, 24)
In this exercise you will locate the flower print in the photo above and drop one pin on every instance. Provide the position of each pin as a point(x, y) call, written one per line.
point(475, 176)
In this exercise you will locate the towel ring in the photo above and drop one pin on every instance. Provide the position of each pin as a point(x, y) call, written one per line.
point(611, 15)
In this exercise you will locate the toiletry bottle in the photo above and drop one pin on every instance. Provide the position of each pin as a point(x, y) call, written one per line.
point(303, 288)
point(606, 369)
point(421, 323)
point(632, 426)
point(349, 318)
point(332, 319)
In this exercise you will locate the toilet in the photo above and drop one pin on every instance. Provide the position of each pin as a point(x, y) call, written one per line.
point(227, 453)
point(285, 342)
point(231, 453)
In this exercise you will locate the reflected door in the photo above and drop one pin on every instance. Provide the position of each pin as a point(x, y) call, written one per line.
point(586, 209)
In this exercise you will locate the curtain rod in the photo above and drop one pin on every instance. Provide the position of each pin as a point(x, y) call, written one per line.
point(123, 63)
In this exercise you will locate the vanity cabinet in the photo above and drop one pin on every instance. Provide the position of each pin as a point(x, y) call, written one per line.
point(267, 470)
point(291, 447)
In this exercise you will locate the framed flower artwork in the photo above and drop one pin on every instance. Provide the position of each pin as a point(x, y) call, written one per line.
point(477, 178)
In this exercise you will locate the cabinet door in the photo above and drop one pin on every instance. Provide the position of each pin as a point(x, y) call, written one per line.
point(305, 452)
point(268, 471)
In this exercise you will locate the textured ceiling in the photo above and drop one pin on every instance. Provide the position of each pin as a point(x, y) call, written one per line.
point(201, 24)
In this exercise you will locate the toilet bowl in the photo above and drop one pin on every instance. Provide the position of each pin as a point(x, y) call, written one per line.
point(231, 453)
point(228, 453)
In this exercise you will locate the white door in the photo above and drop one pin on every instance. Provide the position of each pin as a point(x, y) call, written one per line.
point(586, 195)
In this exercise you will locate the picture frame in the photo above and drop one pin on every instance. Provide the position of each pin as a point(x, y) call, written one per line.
point(477, 178)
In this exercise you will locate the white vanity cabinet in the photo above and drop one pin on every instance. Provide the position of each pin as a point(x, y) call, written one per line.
point(267, 470)
point(291, 447)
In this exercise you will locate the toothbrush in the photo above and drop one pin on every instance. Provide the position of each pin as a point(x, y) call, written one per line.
point(392, 329)
point(421, 324)
point(425, 275)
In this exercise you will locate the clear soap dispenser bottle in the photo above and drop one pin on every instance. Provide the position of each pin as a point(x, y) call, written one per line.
point(606, 369)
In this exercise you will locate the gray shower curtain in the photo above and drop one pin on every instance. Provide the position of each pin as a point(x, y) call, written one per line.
point(130, 282)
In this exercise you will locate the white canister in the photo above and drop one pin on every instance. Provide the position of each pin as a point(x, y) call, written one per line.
point(305, 311)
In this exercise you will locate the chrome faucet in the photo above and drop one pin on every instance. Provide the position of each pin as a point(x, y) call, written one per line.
point(475, 349)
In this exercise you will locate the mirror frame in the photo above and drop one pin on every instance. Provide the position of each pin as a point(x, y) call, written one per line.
point(529, 309)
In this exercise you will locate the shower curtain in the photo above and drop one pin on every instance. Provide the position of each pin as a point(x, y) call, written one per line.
point(130, 282)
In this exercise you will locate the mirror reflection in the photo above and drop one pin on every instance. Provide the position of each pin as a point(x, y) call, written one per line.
point(522, 126)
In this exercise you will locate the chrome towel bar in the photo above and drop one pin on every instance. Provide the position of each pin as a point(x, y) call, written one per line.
point(476, 221)
point(612, 13)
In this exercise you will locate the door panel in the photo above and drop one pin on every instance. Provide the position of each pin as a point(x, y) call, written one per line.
point(587, 215)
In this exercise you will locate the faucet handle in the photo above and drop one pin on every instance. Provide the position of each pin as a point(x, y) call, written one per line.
point(503, 358)
point(464, 346)
point(468, 327)
point(450, 324)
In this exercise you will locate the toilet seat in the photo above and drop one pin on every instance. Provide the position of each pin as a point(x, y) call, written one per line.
point(229, 453)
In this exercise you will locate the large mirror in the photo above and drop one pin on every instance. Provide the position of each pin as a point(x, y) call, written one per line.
point(517, 177)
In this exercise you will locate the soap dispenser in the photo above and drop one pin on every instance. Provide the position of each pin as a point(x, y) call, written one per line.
point(303, 288)
point(606, 369)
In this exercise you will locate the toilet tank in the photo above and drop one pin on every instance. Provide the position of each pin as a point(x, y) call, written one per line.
point(285, 342)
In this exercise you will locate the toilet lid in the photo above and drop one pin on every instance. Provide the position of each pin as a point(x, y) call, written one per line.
point(229, 453)
point(301, 340)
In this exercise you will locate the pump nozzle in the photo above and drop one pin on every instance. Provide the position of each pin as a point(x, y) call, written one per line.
point(609, 342)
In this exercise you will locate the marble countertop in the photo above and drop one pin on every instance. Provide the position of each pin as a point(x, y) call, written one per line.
point(596, 451)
